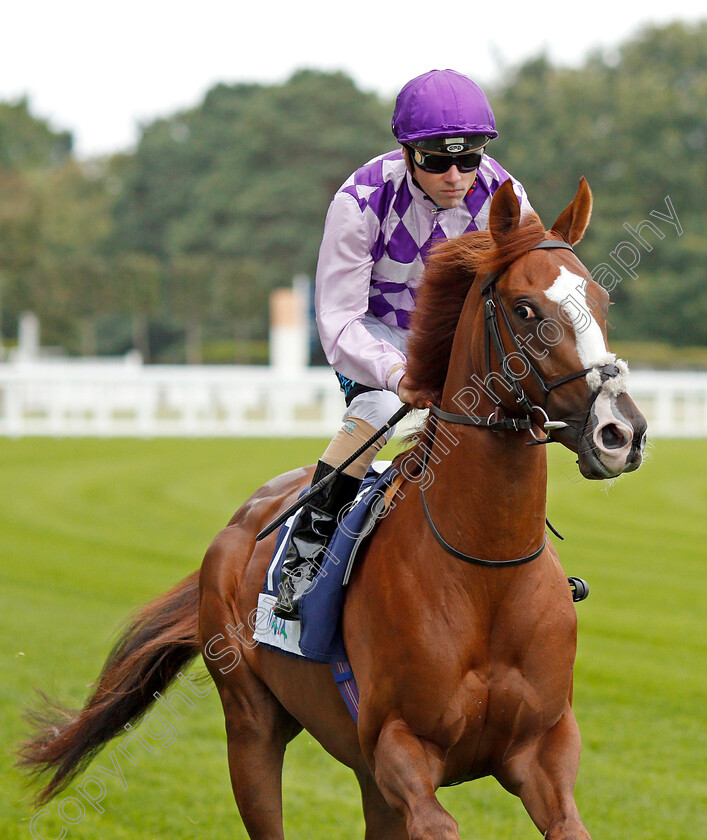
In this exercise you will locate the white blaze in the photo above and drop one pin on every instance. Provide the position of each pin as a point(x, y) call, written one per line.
point(569, 291)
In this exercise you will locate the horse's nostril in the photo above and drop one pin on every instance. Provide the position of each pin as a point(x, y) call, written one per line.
point(613, 437)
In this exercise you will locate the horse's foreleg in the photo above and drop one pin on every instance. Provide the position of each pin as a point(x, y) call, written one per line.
point(408, 770)
point(382, 821)
point(543, 775)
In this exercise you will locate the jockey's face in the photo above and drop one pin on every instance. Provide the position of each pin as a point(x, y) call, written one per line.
point(446, 189)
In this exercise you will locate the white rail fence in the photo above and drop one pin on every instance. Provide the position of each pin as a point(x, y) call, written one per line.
point(102, 398)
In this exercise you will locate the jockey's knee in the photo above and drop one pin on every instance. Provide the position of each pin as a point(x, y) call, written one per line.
point(375, 408)
point(364, 416)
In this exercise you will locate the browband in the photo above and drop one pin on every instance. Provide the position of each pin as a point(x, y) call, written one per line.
point(546, 244)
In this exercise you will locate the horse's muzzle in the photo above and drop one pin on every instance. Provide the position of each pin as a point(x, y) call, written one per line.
point(613, 439)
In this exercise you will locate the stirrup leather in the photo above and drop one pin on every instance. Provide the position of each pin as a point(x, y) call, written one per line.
point(310, 535)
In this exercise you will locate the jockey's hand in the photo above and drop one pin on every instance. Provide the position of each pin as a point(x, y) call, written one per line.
point(416, 397)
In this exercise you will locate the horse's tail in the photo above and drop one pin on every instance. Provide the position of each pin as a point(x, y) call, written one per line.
point(159, 640)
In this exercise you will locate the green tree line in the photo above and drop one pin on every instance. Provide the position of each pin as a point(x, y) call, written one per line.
point(174, 248)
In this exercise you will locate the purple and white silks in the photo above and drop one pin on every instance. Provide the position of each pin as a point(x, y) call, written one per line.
point(378, 231)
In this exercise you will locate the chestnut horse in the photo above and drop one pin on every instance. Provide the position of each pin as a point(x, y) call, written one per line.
point(458, 620)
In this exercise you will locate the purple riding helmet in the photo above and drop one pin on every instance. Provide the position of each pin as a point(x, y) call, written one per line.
point(443, 111)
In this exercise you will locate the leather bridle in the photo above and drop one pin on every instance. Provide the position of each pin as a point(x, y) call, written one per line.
point(495, 422)
point(492, 338)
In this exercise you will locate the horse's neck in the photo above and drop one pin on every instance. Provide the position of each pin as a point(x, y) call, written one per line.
point(487, 491)
point(485, 488)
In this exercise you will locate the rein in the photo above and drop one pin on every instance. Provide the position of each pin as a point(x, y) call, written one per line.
point(495, 421)
point(460, 555)
point(467, 558)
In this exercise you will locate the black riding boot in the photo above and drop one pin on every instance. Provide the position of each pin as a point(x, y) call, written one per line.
point(313, 529)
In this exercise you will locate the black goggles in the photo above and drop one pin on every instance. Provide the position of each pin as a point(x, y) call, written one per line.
point(441, 162)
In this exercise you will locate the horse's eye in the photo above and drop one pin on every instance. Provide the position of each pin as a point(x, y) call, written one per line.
point(524, 312)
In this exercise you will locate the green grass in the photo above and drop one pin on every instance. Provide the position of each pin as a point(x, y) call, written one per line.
point(89, 530)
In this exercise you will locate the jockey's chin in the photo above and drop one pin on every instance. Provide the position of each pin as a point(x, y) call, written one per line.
point(447, 189)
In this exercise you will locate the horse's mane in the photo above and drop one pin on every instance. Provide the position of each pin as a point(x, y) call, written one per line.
point(453, 266)
point(450, 271)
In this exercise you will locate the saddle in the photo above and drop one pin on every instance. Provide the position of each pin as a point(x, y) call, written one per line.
point(317, 635)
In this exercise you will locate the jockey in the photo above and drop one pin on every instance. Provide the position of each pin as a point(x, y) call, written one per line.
point(378, 231)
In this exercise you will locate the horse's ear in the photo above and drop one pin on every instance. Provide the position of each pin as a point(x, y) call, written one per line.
point(504, 214)
point(574, 219)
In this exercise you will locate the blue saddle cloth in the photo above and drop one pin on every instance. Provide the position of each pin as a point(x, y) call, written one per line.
point(317, 636)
